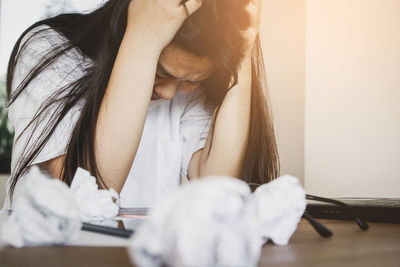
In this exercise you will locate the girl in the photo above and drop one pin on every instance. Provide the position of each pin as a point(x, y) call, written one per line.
point(139, 92)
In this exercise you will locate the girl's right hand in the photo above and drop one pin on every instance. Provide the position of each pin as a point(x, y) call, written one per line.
point(157, 21)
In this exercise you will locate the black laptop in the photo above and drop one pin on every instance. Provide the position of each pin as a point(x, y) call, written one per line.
point(385, 210)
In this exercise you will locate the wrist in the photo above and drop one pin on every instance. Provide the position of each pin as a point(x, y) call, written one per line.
point(141, 44)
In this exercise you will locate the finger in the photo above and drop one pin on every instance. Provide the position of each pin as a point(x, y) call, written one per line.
point(253, 8)
point(191, 6)
point(254, 11)
point(256, 3)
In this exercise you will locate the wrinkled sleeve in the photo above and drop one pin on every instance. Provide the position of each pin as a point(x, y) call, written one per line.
point(195, 126)
point(52, 80)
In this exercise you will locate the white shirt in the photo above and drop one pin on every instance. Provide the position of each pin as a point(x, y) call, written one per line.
point(174, 129)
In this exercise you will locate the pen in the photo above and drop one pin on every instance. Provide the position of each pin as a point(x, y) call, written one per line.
point(107, 230)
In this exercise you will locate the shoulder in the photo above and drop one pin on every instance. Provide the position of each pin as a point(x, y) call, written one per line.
point(194, 110)
point(39, 41)
point(43, 34)
point(194, 104)
point(44, 41)
point(45, 49)
point(188, 101)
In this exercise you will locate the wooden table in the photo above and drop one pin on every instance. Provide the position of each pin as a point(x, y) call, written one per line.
point(349, 246)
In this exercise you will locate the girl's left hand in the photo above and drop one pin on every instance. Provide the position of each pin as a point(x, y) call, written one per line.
point(254, 11)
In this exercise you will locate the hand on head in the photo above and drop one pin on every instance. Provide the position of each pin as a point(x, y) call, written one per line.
point(157, 21)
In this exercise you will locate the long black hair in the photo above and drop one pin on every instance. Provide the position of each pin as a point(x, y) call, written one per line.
point(214, 30)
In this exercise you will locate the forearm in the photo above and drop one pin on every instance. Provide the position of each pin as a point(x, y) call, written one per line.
point(225, 152)
point(124, 108)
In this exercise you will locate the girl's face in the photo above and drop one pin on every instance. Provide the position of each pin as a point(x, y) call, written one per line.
point(179, 71)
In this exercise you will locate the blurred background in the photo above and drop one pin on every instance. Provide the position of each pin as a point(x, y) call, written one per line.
point(333, 70)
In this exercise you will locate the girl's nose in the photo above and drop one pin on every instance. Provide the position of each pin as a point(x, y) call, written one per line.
point(167, 89)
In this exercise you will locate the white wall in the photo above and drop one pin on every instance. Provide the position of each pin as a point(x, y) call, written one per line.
point(352, 142)
point(283, 38)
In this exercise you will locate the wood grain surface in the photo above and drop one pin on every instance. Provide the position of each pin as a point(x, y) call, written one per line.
point(349, 246)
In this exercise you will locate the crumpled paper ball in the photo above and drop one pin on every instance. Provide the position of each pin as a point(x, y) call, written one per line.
point(217, 221)
point(45, 213)
point(93, 204)
point(49, 212)
point(281, 204)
